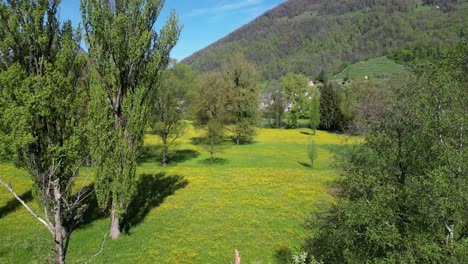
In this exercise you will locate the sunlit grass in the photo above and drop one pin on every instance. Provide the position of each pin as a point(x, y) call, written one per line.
point(254, 201)
point(377, 70)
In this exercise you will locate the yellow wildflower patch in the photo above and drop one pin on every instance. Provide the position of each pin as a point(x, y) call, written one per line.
point(255, 199)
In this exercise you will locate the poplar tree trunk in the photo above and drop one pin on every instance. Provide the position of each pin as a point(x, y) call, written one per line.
point(115, 224)
point(58, 230)
point(120, 124)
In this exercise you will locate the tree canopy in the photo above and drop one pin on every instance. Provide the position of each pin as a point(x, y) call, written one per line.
point(43, 108)
point(171, 101)
point(127, 57)
point(402, 194)
point(232, 97)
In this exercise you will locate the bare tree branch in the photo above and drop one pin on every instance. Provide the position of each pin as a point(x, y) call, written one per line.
point(8, 186)
point(75, 173)
point(104, 235)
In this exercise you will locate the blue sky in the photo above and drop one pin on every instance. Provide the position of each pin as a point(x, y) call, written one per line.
point(205, 21)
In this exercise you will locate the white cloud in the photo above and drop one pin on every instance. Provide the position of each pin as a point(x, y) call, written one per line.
point(226, 7)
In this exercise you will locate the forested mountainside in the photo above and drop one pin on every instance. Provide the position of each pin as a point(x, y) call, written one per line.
point(306, 36)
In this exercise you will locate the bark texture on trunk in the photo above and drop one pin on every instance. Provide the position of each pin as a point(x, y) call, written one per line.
point(120, 123)
point(115, 225)
point(58, 230)
point(59, 254)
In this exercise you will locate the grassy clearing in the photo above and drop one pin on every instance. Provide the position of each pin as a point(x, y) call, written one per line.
point(254, 199)
point(377, 70)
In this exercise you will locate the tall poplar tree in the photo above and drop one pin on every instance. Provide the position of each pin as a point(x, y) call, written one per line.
point(42, 105)
point(331, 117)
point(127, 56)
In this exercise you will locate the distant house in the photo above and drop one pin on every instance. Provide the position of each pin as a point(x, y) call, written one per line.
point(265, 101)
point(288, 107)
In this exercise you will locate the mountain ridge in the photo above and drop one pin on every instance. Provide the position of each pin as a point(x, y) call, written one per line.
point(306, 36)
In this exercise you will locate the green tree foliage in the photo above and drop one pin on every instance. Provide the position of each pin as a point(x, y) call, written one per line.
point(312, 153)
point(214, 140)
point(348, 105)
point(402, 195)
point(232, 97)
point(322, 77)
point(127, 56)
point(275, 111)
point(170, 105)
point(42, 108)
point(211, 99)
point(303, 36)
point(295, 92)
point(331, 117)
point(210, 111)
point(314, 112)
point(351, 108)
point(362, 105)
point(243, 97)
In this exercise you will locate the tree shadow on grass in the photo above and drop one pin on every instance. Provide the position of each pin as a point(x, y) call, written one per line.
point(242, 142)
point(197, 140)
point(307, 133)
point(153, 153)
point(92, 210)
point(182, 155)
point(13, 204)
point(216, 161)
point(151, 191)
point(150, 153)
point(307, 165)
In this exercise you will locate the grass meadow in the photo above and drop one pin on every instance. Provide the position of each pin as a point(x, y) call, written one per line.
point(377, 70)
point(254, 199)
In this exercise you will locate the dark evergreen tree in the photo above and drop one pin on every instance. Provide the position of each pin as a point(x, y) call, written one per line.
point(322, 77)
point(331, 116)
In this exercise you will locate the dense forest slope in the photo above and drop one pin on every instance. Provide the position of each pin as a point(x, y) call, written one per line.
point(306, 36)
